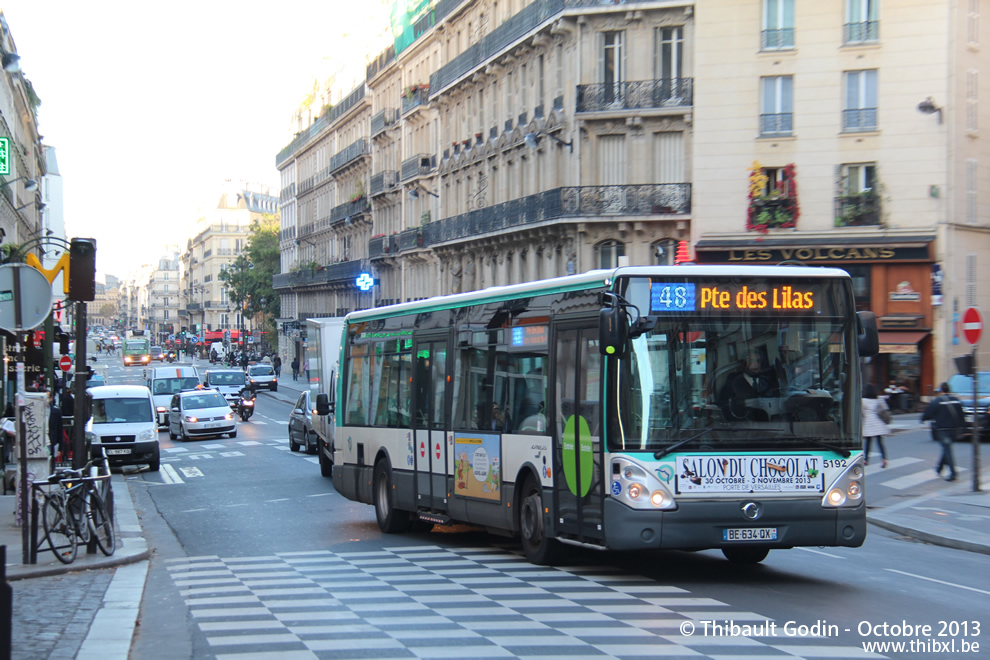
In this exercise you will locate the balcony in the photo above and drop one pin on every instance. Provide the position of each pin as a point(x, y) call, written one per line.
point(859, 119)
point(354, 151)
point(418, 165)
point(780, 39)
point(867, 31)
point(194, 307)
point(415, 98)
point(858, 210)
point(777, 124)
point(382, 120)
point(382, 182)
point(636, 95)
point(348, 209)
point(345, 271)
point(384, 58)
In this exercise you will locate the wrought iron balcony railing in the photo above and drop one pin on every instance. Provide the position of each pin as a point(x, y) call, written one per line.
point(777, 39)
point(347, 156)
point(777, 124)
point(382, 120)
point(415, 99)
point(382, 182)
point(859, 119)
point(338, 272)
point(635, 95)
point(418, 165)
point(859, 210)
point(860, 32)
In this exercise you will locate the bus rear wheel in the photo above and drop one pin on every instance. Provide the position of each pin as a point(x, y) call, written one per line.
point(745, 555)
point(539, 548)
point(390, 520)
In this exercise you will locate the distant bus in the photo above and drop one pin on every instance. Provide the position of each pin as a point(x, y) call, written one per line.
point(137, 350)
point(685, 407)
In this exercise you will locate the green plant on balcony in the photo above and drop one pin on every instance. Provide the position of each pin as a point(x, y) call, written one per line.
point(424, 218)
point(772, 209)
point(859, 209)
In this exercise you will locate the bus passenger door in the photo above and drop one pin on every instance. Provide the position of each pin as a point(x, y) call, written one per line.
point(429, 404)
point(576, 416)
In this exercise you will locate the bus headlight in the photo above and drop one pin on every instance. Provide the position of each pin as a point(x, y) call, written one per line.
point(848, 489)
point(638, 487)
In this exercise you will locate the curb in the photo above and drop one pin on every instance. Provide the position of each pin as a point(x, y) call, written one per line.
point(929, 537)
point(26, 572)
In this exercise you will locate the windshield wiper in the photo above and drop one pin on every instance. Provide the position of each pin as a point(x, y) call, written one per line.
point(680, 443)
point(844, 453)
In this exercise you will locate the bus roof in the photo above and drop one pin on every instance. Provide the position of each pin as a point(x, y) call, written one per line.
point(591, 279)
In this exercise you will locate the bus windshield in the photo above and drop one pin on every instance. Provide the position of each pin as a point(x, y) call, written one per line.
point(738, 376)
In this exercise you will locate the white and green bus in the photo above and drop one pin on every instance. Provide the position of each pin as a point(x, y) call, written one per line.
point(684, 407)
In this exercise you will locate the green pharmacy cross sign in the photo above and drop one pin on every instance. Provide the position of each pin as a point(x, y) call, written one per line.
point(5, 156)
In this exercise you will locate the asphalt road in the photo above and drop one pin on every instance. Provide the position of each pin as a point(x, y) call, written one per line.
point(256, 553)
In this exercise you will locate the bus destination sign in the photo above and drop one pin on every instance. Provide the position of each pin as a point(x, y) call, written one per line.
point(693, 297)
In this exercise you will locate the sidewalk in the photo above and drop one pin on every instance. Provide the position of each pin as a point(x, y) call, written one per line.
point(131, 545)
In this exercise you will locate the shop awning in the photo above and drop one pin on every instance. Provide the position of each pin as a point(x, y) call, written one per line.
point(900, 342)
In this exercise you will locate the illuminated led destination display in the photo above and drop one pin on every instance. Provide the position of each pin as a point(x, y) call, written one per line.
point(706, 297)
point(530, 335)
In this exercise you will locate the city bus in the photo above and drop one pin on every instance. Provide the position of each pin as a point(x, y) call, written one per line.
point(669, 407)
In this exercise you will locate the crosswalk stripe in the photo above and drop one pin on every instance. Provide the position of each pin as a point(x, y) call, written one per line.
point(910, 480)
point(892, 464)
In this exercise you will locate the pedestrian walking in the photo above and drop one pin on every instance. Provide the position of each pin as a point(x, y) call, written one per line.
point(55, 431)
point(295, 368)
point(876, 417)
point(947, 413)
point(277, 366)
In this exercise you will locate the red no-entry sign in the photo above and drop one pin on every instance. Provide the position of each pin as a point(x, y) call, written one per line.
point(65, 363)
point(972, 325)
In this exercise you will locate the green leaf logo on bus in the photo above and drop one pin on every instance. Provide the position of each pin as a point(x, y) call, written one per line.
point(583, 454)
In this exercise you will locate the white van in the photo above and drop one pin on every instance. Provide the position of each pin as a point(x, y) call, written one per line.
point(124, 426)
point(167, 381)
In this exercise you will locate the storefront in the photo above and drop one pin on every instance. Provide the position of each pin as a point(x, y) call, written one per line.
point(892, 277)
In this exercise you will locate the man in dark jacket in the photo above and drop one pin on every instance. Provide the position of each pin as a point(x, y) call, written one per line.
point(55, 431)
point(947, 414)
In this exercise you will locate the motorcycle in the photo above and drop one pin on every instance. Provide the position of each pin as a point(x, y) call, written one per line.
point(245, 408)
point(171, 357)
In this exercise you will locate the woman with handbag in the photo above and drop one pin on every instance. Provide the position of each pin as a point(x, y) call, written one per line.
point(876, 417)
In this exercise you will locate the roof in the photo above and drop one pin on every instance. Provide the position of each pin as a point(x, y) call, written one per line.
point(120, 391)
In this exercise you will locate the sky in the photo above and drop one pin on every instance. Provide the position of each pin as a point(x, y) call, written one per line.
point(152, 106)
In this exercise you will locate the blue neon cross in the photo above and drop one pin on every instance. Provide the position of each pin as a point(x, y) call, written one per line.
point(365, 281)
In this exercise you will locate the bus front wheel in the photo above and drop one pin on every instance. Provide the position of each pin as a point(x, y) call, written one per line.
point(538, 547)
point(745, 555)
point(390, 520)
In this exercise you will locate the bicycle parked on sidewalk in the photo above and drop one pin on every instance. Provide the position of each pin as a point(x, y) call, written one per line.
point(74, 510)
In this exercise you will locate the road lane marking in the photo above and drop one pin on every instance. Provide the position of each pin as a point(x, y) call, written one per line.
point(281, 499)
point(196, 457)
point(193, 511)
point(318, 495)
point(191, 472)
point(248, 443)
point(892, 464)
point(174, 449)
point(231, 453)
point(911, 480)
point(170, 475)
point(819, 552)
point(949, 584)
point(213, 446)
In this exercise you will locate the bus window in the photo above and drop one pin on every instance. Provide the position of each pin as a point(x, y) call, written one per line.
point(359, 387)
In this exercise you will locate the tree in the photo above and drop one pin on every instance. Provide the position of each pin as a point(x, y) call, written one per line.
point(249, 278)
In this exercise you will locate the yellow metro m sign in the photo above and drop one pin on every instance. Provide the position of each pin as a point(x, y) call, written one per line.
point(61, 266)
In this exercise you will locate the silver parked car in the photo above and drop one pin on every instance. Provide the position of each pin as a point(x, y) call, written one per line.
point(301, 433)
point(200, 413)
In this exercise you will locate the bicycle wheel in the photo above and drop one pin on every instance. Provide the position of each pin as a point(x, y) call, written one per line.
point(60, 533)
point(100, 524)
point(77, 507)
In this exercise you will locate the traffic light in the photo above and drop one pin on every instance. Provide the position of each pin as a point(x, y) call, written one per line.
point(63, 344)
point(964, 364)
point(82, 269)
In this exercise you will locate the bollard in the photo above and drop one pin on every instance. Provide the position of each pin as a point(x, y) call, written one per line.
point(6, 606)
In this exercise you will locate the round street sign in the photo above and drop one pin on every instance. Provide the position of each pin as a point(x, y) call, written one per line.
point(65, 363)
point(972, 324)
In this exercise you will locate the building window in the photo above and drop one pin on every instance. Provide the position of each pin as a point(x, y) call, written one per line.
point(857, 203)
point(612, 65)
point(224, 324)
point(165, 313)
point(664, 251)
point(778, 24)
point(972, 106)
point(971, 179)
point(861, 21)
point(973, 22)
point(861, 285)
point(858, 178)
point(860, 112)
point(777, 112)
point(609, 253)
point(669, 53)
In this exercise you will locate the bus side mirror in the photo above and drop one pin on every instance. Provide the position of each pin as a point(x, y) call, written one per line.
point(323, 406)
point(869, 339)
point(613, 331)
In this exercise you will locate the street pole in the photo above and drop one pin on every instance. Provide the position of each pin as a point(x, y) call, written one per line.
point(976, 427)
point(79, 385)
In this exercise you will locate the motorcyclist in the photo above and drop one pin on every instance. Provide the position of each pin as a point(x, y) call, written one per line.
point(247, 393)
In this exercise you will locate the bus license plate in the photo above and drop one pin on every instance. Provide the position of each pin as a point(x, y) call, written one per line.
point(750, 534)
point(118, 452)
